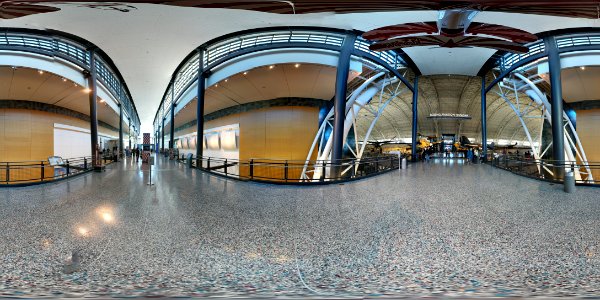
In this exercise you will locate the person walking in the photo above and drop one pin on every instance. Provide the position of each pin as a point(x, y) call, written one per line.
point(469, 156)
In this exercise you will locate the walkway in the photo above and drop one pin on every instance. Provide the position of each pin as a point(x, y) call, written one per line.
point(433, 229)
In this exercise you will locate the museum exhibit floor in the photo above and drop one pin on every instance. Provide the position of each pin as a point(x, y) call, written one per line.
point(434, 229)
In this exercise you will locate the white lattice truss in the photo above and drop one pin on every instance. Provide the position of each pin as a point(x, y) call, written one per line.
point(372, 96)
point(536, 105)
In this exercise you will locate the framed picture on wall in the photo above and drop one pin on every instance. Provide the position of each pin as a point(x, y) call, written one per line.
point(192, 142)
point(212, 141)
point(229, 140)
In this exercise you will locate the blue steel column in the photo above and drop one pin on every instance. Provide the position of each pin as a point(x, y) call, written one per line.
point(200, 106)
point(163, 134)
point(339, 104)
point(121, 130)
point(558, 135)
point(93, 96)
point(129, 127)
point(483, 120)
point(415, 115)
point(172, 141)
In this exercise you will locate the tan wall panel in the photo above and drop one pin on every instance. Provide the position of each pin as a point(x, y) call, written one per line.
point(29, 134)
point(253, 134)
point(17, 135)
point(2, 137)
point(588, 124)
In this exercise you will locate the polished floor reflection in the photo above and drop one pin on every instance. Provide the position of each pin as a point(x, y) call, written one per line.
point(438, 228)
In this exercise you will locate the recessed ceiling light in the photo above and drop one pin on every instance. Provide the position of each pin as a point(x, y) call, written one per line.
point(64, 79)
point(582, 68)
point(271, 67)
point(217, 85)
point(226, 80)
point(297, 65)
point(87, 90)
point(246, 73)
point(41, 72)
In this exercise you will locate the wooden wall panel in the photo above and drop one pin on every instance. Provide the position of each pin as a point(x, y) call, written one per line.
point(17, 135)
point(27, 135)
point(588, 125)
point(2, 137)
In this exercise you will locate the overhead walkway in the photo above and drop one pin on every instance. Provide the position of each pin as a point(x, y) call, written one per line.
point(432, 229)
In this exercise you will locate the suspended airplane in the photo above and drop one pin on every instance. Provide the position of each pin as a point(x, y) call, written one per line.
point(453, 29)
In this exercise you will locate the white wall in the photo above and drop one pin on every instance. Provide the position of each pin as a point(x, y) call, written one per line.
point(71, 141)
point(217, 153)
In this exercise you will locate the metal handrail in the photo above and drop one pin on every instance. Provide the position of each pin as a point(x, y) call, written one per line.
point(289, 171)
point(72, 52)
point(562, 41)
point(32, 172)
point(542, 168)
point(510, 59)
point(229, 47)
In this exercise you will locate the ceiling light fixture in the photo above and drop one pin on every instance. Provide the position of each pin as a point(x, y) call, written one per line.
point(64, 79)
point(41, 72)
point(87, 90)
point(582, 68)
point(246, 73)
point(271, 67)
point(297, 65)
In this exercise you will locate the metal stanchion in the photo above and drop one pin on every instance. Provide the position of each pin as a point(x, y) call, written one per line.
point(569, 183)
point(150, 164)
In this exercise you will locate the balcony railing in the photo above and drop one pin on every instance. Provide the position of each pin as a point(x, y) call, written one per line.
point(511, 58)
point(544, 169)
point(35, 172)
point(290, 171)
point(75, 53)
point(538, 47)
point(28, 172)
point(229, 47)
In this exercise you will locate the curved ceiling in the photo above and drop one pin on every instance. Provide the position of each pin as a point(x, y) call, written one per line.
point(309, 81)
point(148, 41)
point(455, 94)
point(27, 84)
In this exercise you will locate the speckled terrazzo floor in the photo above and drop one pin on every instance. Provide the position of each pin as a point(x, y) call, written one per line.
point(438, 229)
